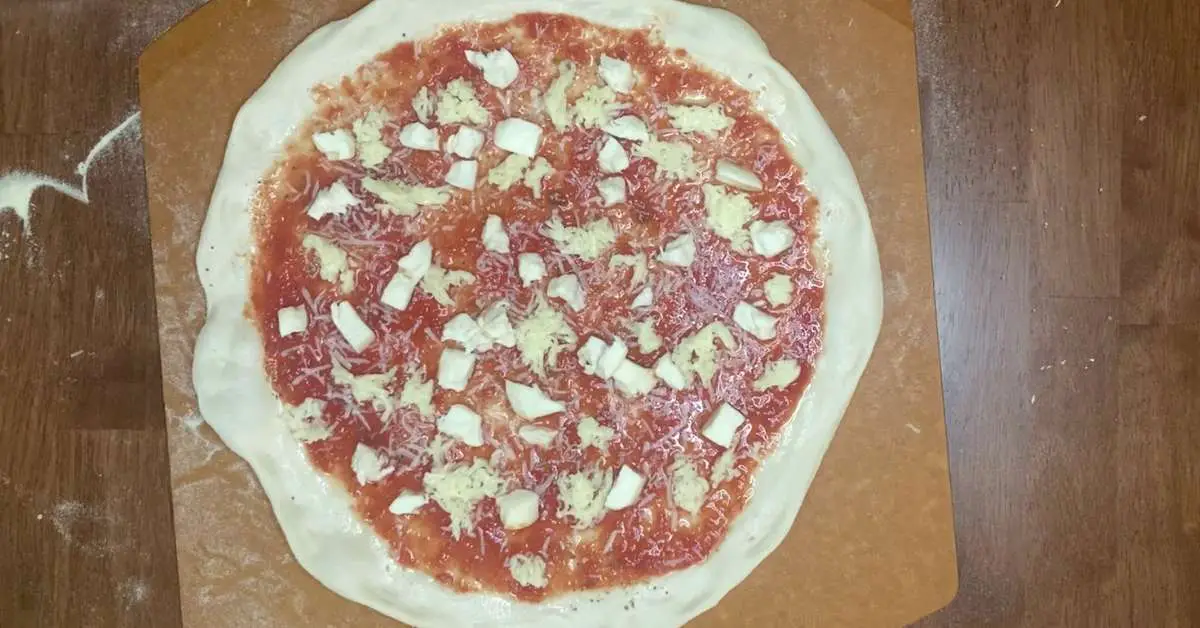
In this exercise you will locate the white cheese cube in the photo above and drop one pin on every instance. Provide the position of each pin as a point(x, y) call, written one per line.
point(567, 288)
point(530, 268)
point(633, 379)
point(465, 142)
point(778, 289)
point(668, 372)
point(464, 330)
point(335, 199)
point(612, 190)
point(645, 298)
point(612, 358)
point(462, 423)
point(529, 402)
point(422, 104)
point(518, 509)
point(417, 136)
point(625, 490)
point(590, 353)
point(462, 174)
point(408, 502)
point(494, 237)
point(760, 324)
point(537, 435)
point(454, 369)
point(778, 374)
point(679, 252)
point(499, 67)
point(351, 326)
point(518, 136)
point(628, 128)
point(723, 425)
point(771, 238)
point(528, 570)
point(617, 74)
point(369, 465)
point(409, 271)
point(738, 177)
point(612, 157)
point(292, 320)
point(336, 145)
point(496, 326)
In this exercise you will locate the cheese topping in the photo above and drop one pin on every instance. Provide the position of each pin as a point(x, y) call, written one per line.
point(778, 374)
point(417, 392)
point(438, 282)
point(633, 379)
point(518, 509)
point(462, 423)
point(402, 199)
point(688, 489)
point(351, 326)
point(454, 369)
point(529, 402)
point(760, 324)
point(723, 468)
point(692, 119)
point(625, 489)
point(617, 74)
point(292, 320)
point(465, 142)
point(590, 353)
point(407, 503)
point(587, 242)
point(612, 190)
point(637, 262)
point(674, 159)
point(567, 288)
point(462, 174)
point(771, 238)
point(417, 136)
point(738, 177)
point(410, 270)
point(592, 434)
point(371, 388)
point(508, 172)
point(679, 252)
point(542, 336)
point(644, 299)
point(495, 324)
point(333, 263)
point(581, 496)
point(556, 96)
point(335, 199)
point(727, 215)
point(518, 136)
point(499, 67)
point(369, 466)
point(536, 173)
point(422, 104)
point(670, 374)
point(305, 421)
point(465, 331)
point(528, 570)
point(368, 133)
point(596, 107)
point(457, 104)
point(458, 489)
point(494, 237)
point(722, 426)
point(530, 268)
point(336, 145)
point(612, 157)
point(537, 435)
point(698, 353)
point(629, 128)
point(648, 340)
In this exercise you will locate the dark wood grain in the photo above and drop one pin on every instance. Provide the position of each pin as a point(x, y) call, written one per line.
point(1063, 156)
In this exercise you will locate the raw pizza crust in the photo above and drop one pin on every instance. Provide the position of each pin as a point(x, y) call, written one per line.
point(236, 398)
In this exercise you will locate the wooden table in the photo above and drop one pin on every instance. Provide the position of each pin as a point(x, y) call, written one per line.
point(1063, 155)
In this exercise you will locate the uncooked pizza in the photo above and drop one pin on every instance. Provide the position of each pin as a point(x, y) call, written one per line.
point(538, 296)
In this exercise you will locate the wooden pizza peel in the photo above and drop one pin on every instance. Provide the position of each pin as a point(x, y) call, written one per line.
point(874, 542)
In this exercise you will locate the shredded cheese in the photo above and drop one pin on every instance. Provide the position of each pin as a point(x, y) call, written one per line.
point(556, 96)
point(698, 353)
point(457, 104)
point(587, 242)
point(402, 199)
point(438, 282)
point(674, 159)
point(333, 263)
point(542, 336)
point(727, 215)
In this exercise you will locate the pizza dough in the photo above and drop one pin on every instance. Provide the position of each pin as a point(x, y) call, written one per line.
point(237, 400)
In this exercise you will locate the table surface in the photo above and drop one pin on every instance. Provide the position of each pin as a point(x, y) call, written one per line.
point(1063, 155)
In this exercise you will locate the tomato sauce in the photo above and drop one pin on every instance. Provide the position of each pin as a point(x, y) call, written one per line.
point(652, 537)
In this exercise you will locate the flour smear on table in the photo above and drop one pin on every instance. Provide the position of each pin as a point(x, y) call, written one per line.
point(17, 187)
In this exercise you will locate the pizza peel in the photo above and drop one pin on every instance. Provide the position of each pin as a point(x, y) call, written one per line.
point(873, 544)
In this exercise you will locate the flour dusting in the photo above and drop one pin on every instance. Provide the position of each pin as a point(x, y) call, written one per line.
point(87, 528)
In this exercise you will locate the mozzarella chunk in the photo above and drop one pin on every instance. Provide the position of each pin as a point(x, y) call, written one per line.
point(402, 199)
point(336, 145)
point(499, 67)
point(536, 173)
point(679, 252)
point(410, 270)
point(612, 359)
point(305, 421)
point(778, 289)
point(738, 177)
point(438, 282)
point(670, 374)
point(464, 330)
point(637, 262)
point(495, 324)
point(518, 509)
point(625, 489)
point(592, 434)
point(648, 339)
point(581, 496)
point(462, 174)
point(590, 353)
point(612, 157)
point(542, 336)
point(462, 423)
point(760, 324)
point(556, 96)
point(407, 502)
point(530, 268)
point(537, 435)
point(567, 288)
point(722, 425)
point(335, 199)
point(688, 489)
point(596, 107)
point(292, 320)
point(778, 374)
point(418, 392)
point(518, 136)
point(628, 128)
point(529, 402)
point(494, 237)
point(417, 136)
point(727, 215)
point(645, 298)
point(465, 142)
point(771, 238)
point(698, 353)
point(368, 465)
point(422, 104)
point(528, 570)
point(506, 173)
point(612, 190)
point(454, 369)
point(459, 488)
point(617, 74)
point(674, 160)
point(351, 326)
point(368, 134)
point(633, 379)
point(457, 104)
point(692, 119)
point(587, 242)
